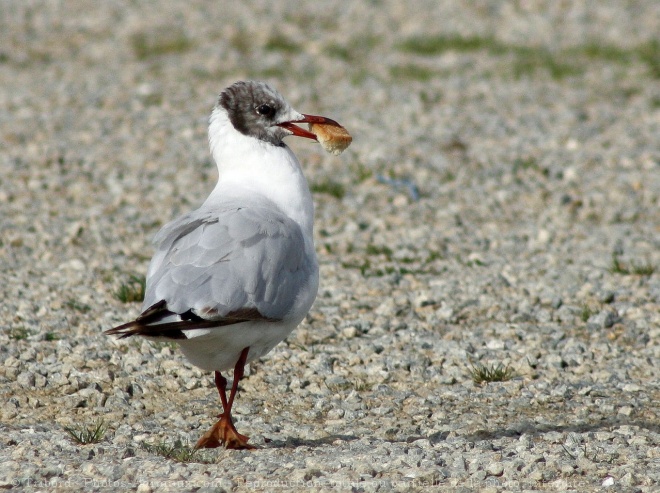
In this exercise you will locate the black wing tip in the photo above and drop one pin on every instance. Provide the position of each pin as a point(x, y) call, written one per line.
point(149, 323)
point(125, 330)
point(146, 324)
point(138, 329)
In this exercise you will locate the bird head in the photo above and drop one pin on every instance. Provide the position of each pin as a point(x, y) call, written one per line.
point(257, 110)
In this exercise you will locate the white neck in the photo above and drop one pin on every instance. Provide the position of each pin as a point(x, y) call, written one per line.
point(250, 166)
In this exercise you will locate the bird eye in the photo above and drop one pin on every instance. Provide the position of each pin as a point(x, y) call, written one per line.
point(265, 110)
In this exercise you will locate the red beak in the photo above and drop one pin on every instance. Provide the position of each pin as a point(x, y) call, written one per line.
point(301, 132)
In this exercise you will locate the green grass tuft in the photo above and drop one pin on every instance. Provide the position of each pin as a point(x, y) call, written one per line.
point(642, 269)
point(178, 452)
point(597, 51)
point(586, 313)
point(650, 54)
point(242, 41)
point(412, 72)
point(329, 187)
point(618, 267)
point(379, 250)
point(362, 173)
point(19, 333)
point(364, 267)
point(433, 256)
point(436, 45)
point(80, 307)
point(340, 52)
point(528, 60)
point(487, 374)
point(133, 290)
point(84, 435)
point(279, 42)
point(165, 42)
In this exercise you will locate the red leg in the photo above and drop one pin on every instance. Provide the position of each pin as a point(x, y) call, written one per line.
point(239, 371)
point(224, 432)
point(221, 385)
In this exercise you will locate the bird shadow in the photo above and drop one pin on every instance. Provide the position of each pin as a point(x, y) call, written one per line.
point(520, 429)
point(535, 429)
point(292, 442)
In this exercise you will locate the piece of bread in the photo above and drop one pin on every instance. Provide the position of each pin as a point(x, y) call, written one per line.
point(333, 138)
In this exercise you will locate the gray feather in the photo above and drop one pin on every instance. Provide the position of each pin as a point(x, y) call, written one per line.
point(227, 259)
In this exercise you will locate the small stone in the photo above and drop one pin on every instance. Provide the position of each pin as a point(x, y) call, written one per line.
point(628, 479)
point(365, 469)
point(349, 332)
point(29, 354)
point(459, 465)
point(608, 481)
point(39, 380)
point(400, 200)
point(495, 469)
point(423, 443)
point(26, 379)
point(604, 319)
point(625, 410)
point(445, 313)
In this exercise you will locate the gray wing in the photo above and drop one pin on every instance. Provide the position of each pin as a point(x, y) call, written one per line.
point(214, 263)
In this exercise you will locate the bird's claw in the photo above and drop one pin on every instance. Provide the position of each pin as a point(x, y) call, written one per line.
point(224, 433)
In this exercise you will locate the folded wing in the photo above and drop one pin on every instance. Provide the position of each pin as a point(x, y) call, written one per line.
point(222, 266)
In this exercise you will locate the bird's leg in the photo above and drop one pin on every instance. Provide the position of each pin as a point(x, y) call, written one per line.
point(239, 371)
point(224, 432)
point(221, 385)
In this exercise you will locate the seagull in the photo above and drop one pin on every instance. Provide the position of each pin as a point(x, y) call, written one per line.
point(233, 278)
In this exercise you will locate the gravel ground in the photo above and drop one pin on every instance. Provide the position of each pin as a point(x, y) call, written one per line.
point(499, 206)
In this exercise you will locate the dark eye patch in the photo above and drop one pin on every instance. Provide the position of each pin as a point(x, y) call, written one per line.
point(266, 110)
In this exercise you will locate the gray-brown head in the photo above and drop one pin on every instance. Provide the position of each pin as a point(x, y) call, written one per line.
point(257, 110)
